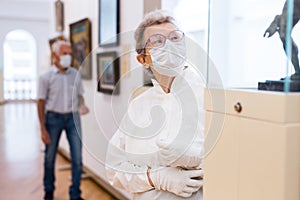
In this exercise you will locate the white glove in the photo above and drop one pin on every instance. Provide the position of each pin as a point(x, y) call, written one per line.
point(177, 180)
point(175, 155)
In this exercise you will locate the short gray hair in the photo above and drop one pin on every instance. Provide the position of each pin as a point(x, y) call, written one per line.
point(57, 44)
point(151, 18)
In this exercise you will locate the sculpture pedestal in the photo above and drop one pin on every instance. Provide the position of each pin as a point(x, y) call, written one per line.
point(279, 85)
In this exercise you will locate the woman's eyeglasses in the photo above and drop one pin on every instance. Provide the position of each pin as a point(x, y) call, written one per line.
point(159, 40)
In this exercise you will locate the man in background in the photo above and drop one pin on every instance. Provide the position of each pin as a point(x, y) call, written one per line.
point(60, 103)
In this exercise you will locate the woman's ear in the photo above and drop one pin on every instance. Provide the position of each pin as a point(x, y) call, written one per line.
point(141, 59)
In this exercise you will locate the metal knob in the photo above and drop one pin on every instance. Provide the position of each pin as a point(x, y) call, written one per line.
point(238, 107)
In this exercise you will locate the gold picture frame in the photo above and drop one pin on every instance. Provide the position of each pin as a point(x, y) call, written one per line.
point(81, 42)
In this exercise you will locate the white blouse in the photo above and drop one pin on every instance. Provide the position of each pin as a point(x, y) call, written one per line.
point(176, 117)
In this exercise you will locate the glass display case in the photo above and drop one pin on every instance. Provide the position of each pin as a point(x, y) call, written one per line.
point(253, 44)
point(252, 101)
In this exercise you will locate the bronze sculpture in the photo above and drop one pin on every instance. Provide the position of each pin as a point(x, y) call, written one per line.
point(279, 25)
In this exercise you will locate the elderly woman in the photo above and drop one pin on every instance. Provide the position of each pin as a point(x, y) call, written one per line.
point(157, 151)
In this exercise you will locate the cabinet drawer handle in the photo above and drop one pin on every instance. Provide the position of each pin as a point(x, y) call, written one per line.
point(238, 107)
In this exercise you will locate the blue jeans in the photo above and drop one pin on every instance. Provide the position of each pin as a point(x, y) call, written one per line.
point(55, 123)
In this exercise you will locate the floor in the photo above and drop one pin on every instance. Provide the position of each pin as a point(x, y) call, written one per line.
point(21, 159)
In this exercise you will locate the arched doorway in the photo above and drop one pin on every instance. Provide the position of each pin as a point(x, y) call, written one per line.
point(20, 65)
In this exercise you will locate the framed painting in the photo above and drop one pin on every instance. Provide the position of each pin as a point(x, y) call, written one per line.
point(109, 22)
point(59, 16)
point(80, 38)
point(108, 73)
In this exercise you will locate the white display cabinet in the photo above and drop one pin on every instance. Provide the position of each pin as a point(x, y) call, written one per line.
point(253, 145)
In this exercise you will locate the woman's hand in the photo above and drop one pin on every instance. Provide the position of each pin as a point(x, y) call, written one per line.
point(177, 155)
point(177, 180)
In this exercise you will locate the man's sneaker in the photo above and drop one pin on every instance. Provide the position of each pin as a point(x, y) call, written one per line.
point(48, 195)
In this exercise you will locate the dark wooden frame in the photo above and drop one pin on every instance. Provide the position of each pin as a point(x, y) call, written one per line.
point(108, 73)
point(81, 42)
point(109, 22)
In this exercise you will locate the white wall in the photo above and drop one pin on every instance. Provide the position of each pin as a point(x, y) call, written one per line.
point(100, 124)
point(31, 16)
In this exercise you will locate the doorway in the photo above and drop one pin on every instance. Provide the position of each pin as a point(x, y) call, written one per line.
point(20, 66)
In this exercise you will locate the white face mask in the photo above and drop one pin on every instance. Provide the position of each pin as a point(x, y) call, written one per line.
point(65, 61)
point(169, 60)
